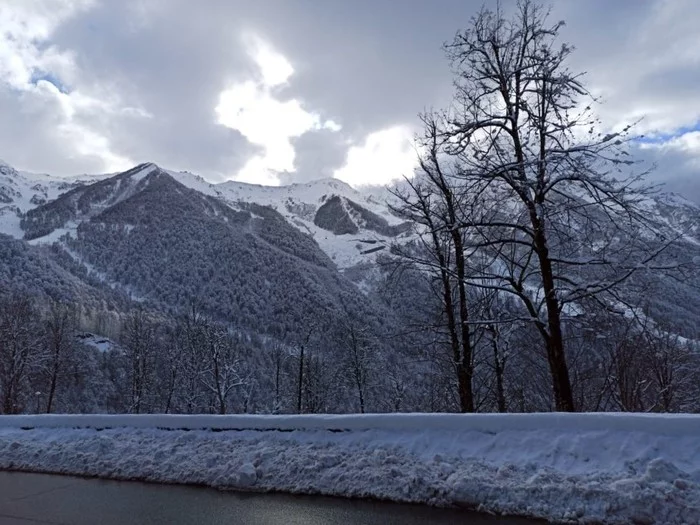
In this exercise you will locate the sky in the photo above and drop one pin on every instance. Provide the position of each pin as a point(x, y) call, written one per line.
point(281, 91)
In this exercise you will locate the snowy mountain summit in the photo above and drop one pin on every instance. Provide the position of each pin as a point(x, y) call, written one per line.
point(164, 236)
point(348, 225)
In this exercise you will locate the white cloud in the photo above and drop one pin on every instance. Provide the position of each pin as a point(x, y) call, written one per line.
point(645, 69)
point(177, 63)
point(275, 69)
point(84, 140)
point(686, 143)
point(384, 156)
point(25, 24)
point(251, 108)
point(47, 78)
point(332, 125)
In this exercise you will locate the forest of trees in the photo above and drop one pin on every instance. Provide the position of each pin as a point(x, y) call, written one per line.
point(49, 362)
point(536, 281)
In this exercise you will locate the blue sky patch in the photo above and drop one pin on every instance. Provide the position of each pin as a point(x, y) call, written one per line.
point(37, 76)
point(665, 137)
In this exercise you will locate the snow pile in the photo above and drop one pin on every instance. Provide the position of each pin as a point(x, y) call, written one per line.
point(583, 468)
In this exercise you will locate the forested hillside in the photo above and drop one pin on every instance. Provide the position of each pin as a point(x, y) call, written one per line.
point(206, 303)
point(523, 267)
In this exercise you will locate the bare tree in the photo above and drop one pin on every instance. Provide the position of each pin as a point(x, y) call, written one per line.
point(302, 345)
point(60, 327)
point(221, 371)
point(358, 345)
point(432, 201)
point(171, 367)
point(279, 356)
point(191, 347)
point(547, 210)
point(139, 338)
point(320, 378)
point(19, 350)
point(499, 338)
point(671, 364)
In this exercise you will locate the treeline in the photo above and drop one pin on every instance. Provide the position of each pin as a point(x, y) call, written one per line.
point(52, 361)
point(617, 361)
point(49, 362)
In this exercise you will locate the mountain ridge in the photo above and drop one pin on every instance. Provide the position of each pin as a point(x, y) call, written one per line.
point(145, 233)
point(325, 223)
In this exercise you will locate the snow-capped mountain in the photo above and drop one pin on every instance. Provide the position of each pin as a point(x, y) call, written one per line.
point(21, 191)
point(167, 239)
point(165, 236)
point(350, 226)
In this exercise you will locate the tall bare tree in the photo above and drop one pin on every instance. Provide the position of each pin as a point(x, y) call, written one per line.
point(60, 333)
point(221, 371)
point(19, 350)
point(358, 344)
point(549, 206)
point(433, 201)
point(139, 340)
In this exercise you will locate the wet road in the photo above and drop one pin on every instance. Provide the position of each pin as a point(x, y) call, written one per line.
point(49, 499)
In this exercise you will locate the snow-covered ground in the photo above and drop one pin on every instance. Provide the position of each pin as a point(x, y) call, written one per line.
point(584, 468)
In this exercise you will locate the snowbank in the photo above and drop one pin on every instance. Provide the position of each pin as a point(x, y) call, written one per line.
point(584, 468)
point(656, 424)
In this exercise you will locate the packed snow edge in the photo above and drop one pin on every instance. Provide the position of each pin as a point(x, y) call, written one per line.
point(656, 424)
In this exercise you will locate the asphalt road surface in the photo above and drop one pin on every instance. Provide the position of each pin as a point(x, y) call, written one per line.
point(49, 499)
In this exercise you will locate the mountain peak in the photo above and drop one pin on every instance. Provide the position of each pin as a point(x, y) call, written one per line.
point(331, 182)
point(141, 170)
point(7, 168)
point(676, 199)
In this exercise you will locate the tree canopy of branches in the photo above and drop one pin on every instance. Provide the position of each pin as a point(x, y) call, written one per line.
point(520, 190)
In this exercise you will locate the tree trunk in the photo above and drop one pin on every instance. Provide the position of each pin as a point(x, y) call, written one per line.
point(8, 401)
point(559, 370)
point(171, 391)
point(52, 390)
point(465, 372)
point(277, 382)
point(463, 379)
point(498, 363)
point(301, 379)
point(362, 399)
point(54, 370)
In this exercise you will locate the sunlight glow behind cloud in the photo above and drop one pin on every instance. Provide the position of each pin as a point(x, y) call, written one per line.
point(97, 85)
point(275, 69)
point(385, 155)
point(251, 108)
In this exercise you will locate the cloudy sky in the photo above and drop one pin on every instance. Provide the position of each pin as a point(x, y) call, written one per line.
point(276, 91)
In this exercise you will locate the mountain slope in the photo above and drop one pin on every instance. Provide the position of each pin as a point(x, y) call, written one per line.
point(171, 237)
point(21, 192)
point(144, 232)
point(309, 207)
point(46, 272)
